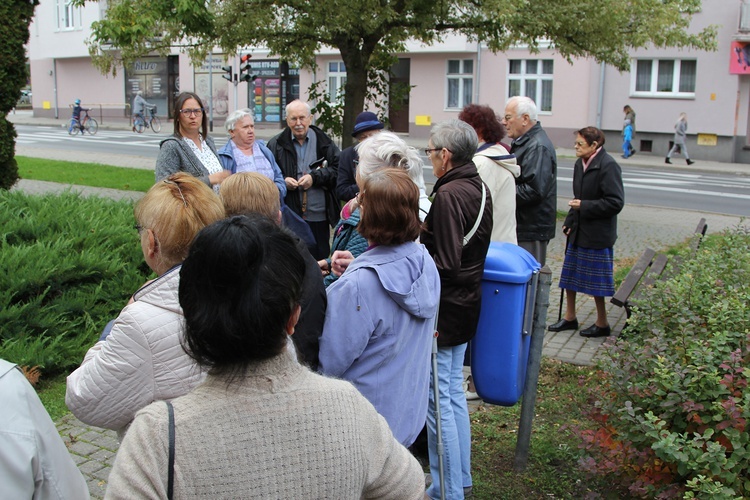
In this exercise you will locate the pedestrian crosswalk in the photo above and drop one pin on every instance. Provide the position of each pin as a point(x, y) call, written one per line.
point(147, 141)
point(36, 135)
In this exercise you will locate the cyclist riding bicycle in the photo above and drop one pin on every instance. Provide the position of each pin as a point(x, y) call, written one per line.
point(139, 108)
point(77, 113)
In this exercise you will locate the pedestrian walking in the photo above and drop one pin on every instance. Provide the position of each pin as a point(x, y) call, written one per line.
point(629, 115)
point(680, 132)
point(627, 136)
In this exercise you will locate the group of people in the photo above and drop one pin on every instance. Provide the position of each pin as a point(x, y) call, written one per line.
point(244, 336)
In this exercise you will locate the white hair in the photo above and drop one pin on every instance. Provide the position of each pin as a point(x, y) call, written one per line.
point(524, 106)
point(387, 150)
point(236, 116)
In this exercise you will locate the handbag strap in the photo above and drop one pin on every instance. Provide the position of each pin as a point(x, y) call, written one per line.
point(479, 217)
point(170, 473)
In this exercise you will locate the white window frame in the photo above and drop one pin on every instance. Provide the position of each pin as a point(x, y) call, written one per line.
point(538, 76)
point(653, 87)
point(68, 16)
point(464, 79)
point(336, 81)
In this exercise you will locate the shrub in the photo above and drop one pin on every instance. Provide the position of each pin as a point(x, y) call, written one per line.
point(674, 406)
point(67, 265)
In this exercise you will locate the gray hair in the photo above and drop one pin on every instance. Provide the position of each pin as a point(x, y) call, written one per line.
point(387, 150)
point(296, 102)
point(524, 106)
point(236, 116)
point(457, 137)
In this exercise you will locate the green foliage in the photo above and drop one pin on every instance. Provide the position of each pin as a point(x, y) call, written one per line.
point(85, 174)
point(67, 266)
point(17, 15)
point(368, 32)
point(674, 410)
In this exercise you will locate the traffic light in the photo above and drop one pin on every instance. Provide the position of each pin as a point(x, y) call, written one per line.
point(246, 71)
point(228, 73)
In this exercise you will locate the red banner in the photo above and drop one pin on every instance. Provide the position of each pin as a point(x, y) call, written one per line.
point(739, 62)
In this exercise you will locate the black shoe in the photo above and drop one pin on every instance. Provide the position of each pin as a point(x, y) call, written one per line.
point(666, 160)
point(689, 161)
point(563, 324)
point(596, 331)
point(632, 152)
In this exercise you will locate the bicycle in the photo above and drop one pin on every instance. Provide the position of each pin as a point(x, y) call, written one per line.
point(90, 125)
point(152, 121)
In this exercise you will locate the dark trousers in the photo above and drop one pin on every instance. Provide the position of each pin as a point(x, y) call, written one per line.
point(322, 233)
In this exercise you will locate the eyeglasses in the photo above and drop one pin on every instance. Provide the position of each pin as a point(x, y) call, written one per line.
point(580, 144)
point(191, 112)
point(138, 228)
point(167, 181)
point(507, 118)
point(429, 151)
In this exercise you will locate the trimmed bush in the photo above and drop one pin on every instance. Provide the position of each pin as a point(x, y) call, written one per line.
point(68, 264)
point(674, 404)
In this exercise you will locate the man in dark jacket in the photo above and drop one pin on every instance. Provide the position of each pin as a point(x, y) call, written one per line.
point(536, 187)
point(309, 162)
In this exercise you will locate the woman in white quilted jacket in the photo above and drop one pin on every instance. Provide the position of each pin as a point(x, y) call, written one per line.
point(140, 360)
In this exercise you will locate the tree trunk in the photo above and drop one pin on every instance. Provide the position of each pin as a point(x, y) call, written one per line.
point(356, 57)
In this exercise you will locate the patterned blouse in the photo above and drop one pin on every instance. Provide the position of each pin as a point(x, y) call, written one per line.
point(206, 157)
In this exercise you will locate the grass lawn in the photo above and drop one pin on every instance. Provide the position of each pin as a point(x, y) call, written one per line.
point(85, 174)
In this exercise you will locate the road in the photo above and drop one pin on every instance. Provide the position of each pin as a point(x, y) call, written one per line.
point(670, 188)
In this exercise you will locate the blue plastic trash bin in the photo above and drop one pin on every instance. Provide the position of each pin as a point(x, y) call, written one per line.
point(500, 349)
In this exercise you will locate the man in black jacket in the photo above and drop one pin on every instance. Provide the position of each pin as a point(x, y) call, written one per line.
point(536, 187)
point(309, 161)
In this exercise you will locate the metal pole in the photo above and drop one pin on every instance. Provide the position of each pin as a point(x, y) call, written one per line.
point(436, 397)
point(532, 370)
point(211, 92)
point(438, 421)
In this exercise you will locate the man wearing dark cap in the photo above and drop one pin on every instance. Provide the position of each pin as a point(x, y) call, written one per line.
point(366, 125)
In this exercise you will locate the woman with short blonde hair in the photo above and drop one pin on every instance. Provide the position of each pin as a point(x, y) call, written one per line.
point(139, 359)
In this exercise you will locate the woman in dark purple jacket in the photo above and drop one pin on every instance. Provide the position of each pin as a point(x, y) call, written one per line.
point(591, 227)
point(457, 233)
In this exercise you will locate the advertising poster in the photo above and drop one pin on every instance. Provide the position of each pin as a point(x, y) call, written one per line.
point(150, 76)
point(211, 87)
point(266, 91)
point(739, 61)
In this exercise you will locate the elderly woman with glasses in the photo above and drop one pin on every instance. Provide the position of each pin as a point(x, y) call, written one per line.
point(262, 425)
point(591, 228)
point(190, 149)
point(140, 360)
point(244, 153)
point(457, 234)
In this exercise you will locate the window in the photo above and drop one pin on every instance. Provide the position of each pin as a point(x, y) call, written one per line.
point(664, 77)
point(531, 78)
point(336, 80)
point(460, 83)
point(68, 16)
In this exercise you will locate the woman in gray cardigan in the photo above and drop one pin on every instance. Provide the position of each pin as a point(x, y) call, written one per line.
point(190, 149)
point(680, 131)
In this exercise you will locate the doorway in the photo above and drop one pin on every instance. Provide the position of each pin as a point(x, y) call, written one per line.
point(398, 108)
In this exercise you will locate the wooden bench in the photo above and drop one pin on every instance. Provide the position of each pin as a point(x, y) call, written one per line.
point(648, 269)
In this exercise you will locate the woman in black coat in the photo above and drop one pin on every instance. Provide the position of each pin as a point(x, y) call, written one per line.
point(591, 228)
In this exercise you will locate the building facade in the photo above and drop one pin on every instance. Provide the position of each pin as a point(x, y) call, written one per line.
point(713, 88)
